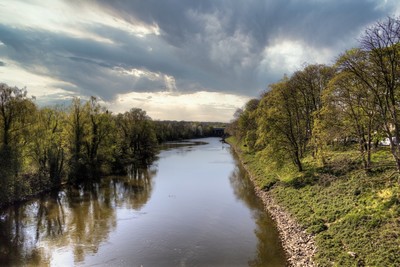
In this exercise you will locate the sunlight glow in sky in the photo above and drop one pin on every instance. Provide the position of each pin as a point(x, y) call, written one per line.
point(202, 106)
point(196, 60)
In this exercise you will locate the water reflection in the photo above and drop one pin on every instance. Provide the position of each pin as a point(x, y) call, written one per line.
point(73, 220)
point(269, 251)
point(194, 216)
point(135, 190)
point(17, 244)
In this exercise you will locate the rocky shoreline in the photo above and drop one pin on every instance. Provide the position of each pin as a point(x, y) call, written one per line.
point(299, 246)
point(297, 243)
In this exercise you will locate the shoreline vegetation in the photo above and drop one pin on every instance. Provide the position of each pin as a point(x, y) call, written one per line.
point(299, 246)
point(43, 148)
point(322, 147)
point(324, 144)
point(343, 218)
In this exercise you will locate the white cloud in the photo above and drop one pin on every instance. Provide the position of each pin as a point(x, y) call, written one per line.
point(289, 56)
point(198, 106)
point(75, 20)
point(138, 73)
point(170, 83)
point(108, 48)
point(40, 86)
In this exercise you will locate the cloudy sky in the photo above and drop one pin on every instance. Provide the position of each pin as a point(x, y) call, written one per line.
point(176, 59)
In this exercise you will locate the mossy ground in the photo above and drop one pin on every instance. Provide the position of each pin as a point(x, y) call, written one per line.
point(354, 214)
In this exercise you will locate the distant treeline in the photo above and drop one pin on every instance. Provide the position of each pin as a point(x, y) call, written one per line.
point(180, 130)
point(40, 148)
point(319, 107)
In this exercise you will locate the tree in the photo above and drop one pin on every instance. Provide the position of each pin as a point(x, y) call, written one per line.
point(136, 142)
point(233, 127)
point(15, 110)
point(90, 128)
point(281, 123)
point(76, 131)
point(376, 65)
point(349, 99)
point(247, 124)
point(310, 84)
point(47, 144)
point(97, 141)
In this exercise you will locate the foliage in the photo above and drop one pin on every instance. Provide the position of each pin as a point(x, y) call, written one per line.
point(41, 148)
point(281, 123)
point(136, 138)
point(285, 116)
point(353, 214)
point(15, 116)
point(350, 98)
point(317, 149)
point(46, 149)
point(180, 130)
point(376, 65)
point(321, 107)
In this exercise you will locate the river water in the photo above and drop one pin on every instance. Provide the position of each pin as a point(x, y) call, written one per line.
point(195, 206)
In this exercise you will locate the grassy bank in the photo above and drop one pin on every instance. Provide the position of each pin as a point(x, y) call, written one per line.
point(354, 215)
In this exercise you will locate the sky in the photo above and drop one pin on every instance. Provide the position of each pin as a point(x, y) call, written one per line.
point(193, 60)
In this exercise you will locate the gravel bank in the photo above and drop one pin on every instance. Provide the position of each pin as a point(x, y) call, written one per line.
point(298, 245)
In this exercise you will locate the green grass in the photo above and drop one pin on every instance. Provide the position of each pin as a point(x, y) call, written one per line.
point(355, 215)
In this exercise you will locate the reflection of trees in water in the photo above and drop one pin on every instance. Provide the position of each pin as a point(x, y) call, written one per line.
point(76, 219)
point(89, 219)
point(269, 249)
point(17, 244)
point(134, 190)
point(243, 188)
point(50, 217)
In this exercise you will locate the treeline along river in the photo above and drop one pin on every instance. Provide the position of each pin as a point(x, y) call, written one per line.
point(194, 206)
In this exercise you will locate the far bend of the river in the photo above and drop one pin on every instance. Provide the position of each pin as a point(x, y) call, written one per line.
point(194, 206)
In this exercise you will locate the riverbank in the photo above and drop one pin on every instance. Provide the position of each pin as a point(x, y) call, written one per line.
point(335, 215)
point(299, 246)
point(164, 215)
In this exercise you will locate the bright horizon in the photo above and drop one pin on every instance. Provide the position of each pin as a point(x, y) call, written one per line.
point(193, 61)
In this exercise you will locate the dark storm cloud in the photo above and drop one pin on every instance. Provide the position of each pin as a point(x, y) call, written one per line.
point(87, 64)
point(215, 45)
point(185, 25)
point(318, 21)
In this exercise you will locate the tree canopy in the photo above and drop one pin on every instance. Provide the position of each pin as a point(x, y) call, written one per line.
point(40, 148)
point(355, 100)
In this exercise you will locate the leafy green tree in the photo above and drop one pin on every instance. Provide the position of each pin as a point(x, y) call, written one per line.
point(247, 124)
point(281, 124)
point(76, 131)
point(97, 141)
point(137, 141)
point(233, 127)
point(47, 145)
point(310, 84)
point(377, 65)
point(15, 111)
point(354, 104)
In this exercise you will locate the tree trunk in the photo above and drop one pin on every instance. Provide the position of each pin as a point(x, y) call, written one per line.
point(297, 161)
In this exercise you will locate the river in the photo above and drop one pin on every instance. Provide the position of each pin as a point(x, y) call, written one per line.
point(195, 206)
